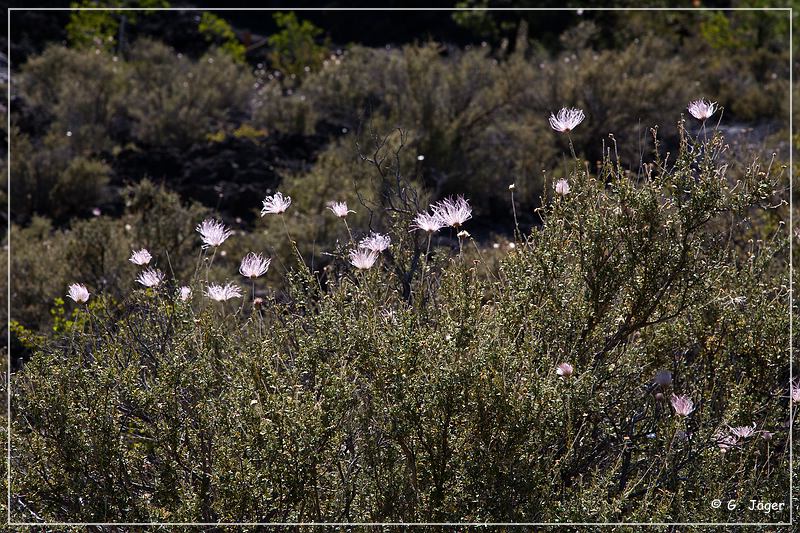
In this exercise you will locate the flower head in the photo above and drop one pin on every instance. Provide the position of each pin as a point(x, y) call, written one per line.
point(222, 293)
point(795, 391)
point(683, 405)
point(185, 293)
point(363, 259)
point(212, 232)
point(567, 119)
point(151, 277)
point(427, 222)
point(142, 257)
point(276, 204)
point(663, 378)
point(743, 432)
point(254, 265)
point(452, 211)
point(725, 441)
point(562, 187)
point(375, 242)
point(701, 110)
point(78, 292)
point(340, 209)
point(564, 370)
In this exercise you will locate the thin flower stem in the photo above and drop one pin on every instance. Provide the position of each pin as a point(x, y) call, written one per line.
point(211, 262)
point(346, 225)
point(291, 241)
point(571, 146)
point(516, 223)
point(424, 268)
point(200, 257)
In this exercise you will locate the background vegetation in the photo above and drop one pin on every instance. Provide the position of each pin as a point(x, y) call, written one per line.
point(425, 388)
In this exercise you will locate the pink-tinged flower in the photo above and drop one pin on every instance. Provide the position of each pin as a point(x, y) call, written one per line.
point(78, 292)
point(795, 391)
point(564, 370)
point(340, 209)
point(212, 232)
point(427, 222)
point(683, 405)
point(743, 432)
point(725, 441)
point(376, 242)
point(663, 378)
point(254, 265)
point(562, 187)
point(363, 259)
point(567, 119)
point(222, 293)
point(766, 435)
point(276, 204)
point(151, 277)
point(141, 258)
point(452, 211)
point(185, 293)
point(702, 110)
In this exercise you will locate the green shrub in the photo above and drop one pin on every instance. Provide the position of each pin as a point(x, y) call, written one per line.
point(294, 49)
point(217, 31)
point(350, 398)
point(175, 101)
point(46, 260)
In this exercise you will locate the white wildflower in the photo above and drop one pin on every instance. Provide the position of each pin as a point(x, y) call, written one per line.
point(254, 265)
point(702, 110)
point(222, 293)
point(376, 242)
point(276, 204)
point(567, 119)
point(78, 292)
point(340, 209)
point(452, 211)
point(363, 259)
point(151, 277)
point(141, 257)
point(212, 232)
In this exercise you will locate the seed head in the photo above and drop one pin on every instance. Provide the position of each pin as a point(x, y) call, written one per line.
point(222, 293)
point(340, 209)
point(701, 110)
point(276, 204)
point(564, 370)
point(151, 277)
point(743, 432)
point(141, 258)
point(427, 222)
point(185, 293)
point(254, 265)
point(78, 292)
point(683, 405)
point(362, 258)
point(212, 232)
point(795, 391)
point(567, 119)
point(376, 242)
point(452, 211)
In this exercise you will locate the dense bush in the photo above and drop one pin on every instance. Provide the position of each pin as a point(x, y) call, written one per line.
point(425, 388)
point(96, 249)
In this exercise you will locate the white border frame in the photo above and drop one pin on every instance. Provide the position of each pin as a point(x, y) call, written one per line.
point(788, 10)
